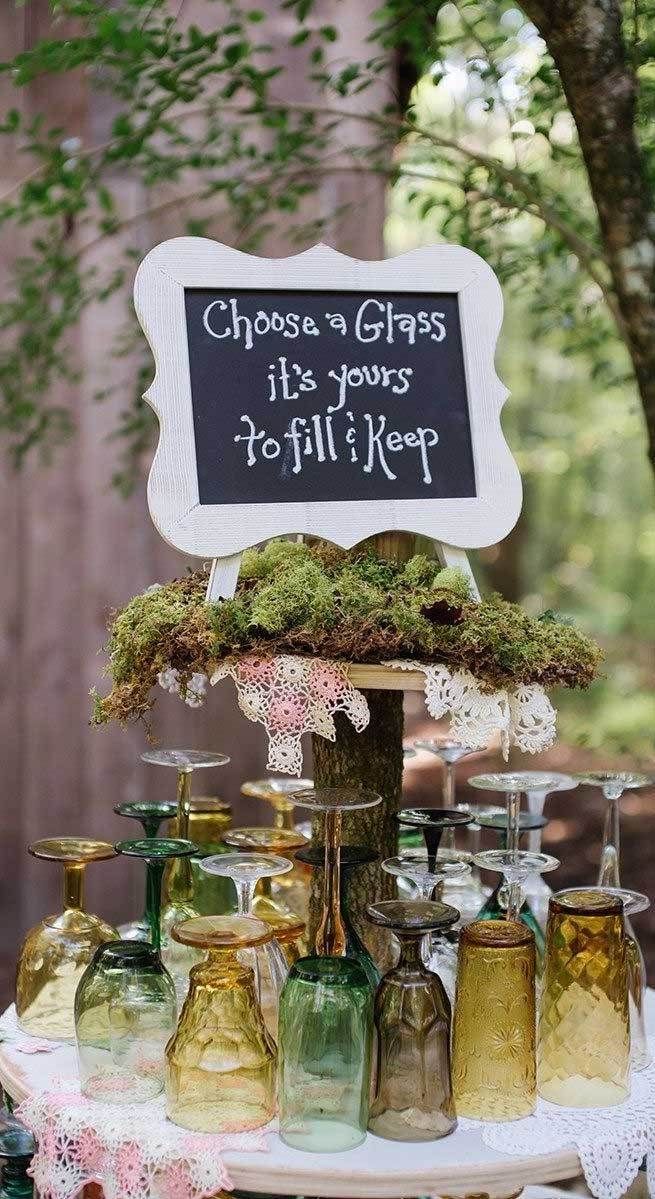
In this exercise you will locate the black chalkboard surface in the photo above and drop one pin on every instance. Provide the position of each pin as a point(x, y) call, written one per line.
point(321, 396)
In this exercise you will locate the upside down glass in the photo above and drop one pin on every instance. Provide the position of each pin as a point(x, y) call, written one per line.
point(17, 1148)
point(584, 1025)
point(350, 858)
point(149, 814)
point(494, 1022)
point(412, 1099)
point(57, 951)
point(326, 1027)
point(220, 1072)
point(125, 1012)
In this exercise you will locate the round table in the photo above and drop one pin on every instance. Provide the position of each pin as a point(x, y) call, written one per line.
point(459, 1165)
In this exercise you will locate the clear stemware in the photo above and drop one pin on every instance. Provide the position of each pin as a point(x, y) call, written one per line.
point(286, 896)
point(439, 950)
point(612, 783)
point(150, 814)
point(450, 752)
point(277, 792)
point(537, 890)
point(492, 908)
point(513, 784)
point(180, 906)
point(433, 823)
point(516, 865)
point(331, 938)
point(268, 960)
point(633, 903)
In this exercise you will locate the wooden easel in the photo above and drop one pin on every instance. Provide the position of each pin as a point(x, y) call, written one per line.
point(224, 572)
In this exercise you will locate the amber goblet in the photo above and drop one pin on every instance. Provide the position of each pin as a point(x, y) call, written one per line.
point(57, 951)
point(278, 793)
point(220, 1063)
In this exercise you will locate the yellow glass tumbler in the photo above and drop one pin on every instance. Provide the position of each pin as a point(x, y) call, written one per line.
point(493, 1053)
point(584, 1026)
point(221, 1061)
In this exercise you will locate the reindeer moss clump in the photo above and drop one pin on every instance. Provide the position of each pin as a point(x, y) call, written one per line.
point(301, 599)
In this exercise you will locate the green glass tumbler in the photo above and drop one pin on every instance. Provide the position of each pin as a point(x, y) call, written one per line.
point(125, 1012)
point(17, 1147)
point(325, 1038)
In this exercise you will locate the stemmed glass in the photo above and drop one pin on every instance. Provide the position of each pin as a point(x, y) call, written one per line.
point(276, 792)
point(268, 962)
point(331, 938)
point(450, 752)
point(438, 950)
point(180, 904)
point(155, 852)
point(57, 951)
point(350, 858)
point(492, 908)
point(633, 903)
point(513, 784)
point(433, 823)
point(516, 865)
point(150, 814)
point(287, 898)
point(537, 890)
point(612, 783)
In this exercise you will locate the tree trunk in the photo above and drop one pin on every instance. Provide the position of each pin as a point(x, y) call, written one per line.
point(372, 760)
point(585, 39)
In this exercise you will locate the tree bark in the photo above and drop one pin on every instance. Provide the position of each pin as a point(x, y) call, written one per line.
point(372, 760)
point(585, 39)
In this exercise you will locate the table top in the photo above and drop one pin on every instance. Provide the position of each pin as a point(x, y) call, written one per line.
point(459, 1165)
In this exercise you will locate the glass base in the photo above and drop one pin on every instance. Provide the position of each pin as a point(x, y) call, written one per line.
point(315, 1135)
point(577, 1091)
point(134, 930)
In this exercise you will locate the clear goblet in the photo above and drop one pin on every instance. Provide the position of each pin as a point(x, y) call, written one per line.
point(516, 865)
point(286, 896)
point(492, 908)
point(612, 783)
point(450, 752)
point(513, 784)
point(537, 891)
point(268, 960)
point(439, 950)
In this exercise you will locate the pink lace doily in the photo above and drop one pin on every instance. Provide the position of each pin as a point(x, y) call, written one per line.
point(132, 1151)
point(291, 695)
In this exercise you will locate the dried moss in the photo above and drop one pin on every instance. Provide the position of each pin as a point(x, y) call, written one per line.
point(297, 598)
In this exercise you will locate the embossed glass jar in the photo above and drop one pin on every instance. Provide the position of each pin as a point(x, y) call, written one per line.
point(493, 1048)
point(584, 1025)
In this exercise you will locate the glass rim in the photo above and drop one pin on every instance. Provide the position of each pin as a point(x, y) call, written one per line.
point(72, 850)
point(590, 902)
point(496, 934)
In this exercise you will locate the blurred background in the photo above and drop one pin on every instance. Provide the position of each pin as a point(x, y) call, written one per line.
point(76, 535)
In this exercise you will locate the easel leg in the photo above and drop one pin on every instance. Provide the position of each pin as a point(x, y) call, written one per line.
point(223, 578)
point(449, 555)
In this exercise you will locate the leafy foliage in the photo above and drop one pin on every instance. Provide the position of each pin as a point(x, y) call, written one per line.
point(214, 115)
point(301, 599)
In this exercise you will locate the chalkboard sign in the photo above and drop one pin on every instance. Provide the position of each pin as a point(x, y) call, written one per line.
point(320, 394)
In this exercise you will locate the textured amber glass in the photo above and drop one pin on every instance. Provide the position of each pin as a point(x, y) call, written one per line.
point(57, 951)
point(125, 1012)
point(412, 1095)
point(494, 1022)
point(584, 1026)
point(220, 1063)
point(326, 1026)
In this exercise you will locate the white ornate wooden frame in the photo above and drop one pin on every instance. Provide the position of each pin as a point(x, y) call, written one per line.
point(222, 531)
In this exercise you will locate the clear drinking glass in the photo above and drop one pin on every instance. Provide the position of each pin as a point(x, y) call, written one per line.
point(494, 1022)
point(125, 1012)
point(326, 1027)
point(266, 959)
point(612, 783)
point(350, 858)
point(584, 1023)
point(57, 951)
point(412, 1097)
point(220, 1063)
point(149, 814)
point(515, 866)
point(513, 784)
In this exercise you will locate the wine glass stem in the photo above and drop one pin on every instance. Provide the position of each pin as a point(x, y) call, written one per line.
point(536, 802)
point(609, 874)
point(513, 817)
point(74, 885)
point(154, 874)
point(181, 877)
point(245, 896)
point(331, 934)
point(514, 901)
point(448, 796)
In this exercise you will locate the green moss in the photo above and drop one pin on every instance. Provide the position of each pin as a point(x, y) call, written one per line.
point(317, 599)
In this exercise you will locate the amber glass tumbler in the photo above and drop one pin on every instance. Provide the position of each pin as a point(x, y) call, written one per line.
point(584, 1026)
point(493, 1063)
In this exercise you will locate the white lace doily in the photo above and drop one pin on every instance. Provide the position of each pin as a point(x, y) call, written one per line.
point(611, 1142)
point(132, 1151)
point(291, 695)
point(525, 717)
